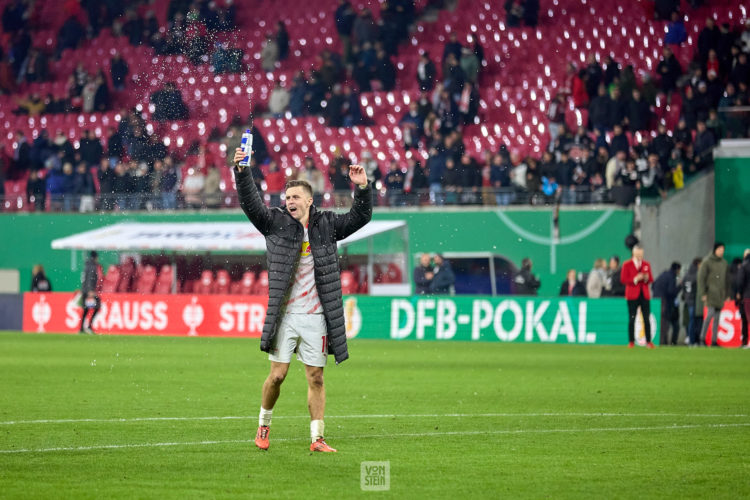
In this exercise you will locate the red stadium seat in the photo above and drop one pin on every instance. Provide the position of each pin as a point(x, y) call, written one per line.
point(261, 286)
point(111, 279)
point(348, 284)
point(222, 283)
point(205, 284)
point(246, 285)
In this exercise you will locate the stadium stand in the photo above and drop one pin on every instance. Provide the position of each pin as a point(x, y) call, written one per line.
point(518, 81)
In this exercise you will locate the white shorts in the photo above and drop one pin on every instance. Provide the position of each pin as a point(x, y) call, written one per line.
point(307, 333)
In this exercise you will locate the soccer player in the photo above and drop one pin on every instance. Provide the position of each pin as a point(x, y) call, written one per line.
point(636, 276)
point(305, 311)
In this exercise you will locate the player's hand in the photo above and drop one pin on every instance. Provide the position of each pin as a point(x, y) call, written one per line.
point(357, 175)
point(239, 155)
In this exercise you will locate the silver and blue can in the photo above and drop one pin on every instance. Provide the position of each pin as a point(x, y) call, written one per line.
point(247, 147)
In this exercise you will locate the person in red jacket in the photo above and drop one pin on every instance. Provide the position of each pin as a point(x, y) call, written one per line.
point(636, 276)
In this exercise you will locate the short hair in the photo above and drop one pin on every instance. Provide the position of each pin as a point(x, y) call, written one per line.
point(746, 253)
point(676, 266)
point(93, 254)
point(299, 183)
point(637, 246)
point(615, 258)
point(718, 245)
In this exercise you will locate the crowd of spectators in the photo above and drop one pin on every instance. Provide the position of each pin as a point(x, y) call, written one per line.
point(611, 157)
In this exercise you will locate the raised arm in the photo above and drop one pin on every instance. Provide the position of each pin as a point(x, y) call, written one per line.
point(361, 211)
point(250, 199)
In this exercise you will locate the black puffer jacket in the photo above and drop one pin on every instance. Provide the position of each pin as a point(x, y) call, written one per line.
point(284, 236)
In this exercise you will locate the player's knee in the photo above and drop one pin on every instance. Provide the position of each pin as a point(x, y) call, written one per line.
point(277, 378)
point(316, 380)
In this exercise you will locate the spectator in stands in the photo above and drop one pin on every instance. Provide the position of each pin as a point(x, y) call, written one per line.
point(90, 148)
point(452, 48)
point(524, 281)
point(275, 183)
point(599, 111)
point(15, 16)
point(169, 184)
point(663, 9)
point(556, 115)
point(394, 184)
point(469, 64)
point(364, 29)
point(21, 161)
point(70, 200)
point(282, 40)
point(652, 181)
point(411, 126)
point(703, 147)
point(40, 150)
point(7, 80)
point(613, 287)
point(345, 17)
point(34, 68)
point(70, 35)
point(279, 100)
point(500, 180)
point(708, 39)
point(385, 71)
point(212, 188)
point(676, 32)
point(514, 13)
point(169, 104)
point(372, 168)
point(426, 73)
point(39, 280)
point(423, 275)
point(269, 54)
point(453, 180)
point(415, 182)
point(310, 173)
point(122, 187)
point(297, 95)
point(638, 112)
point(20, 45)
point(713, 290)
point(443, 279)
point(32, 106)
point(611, 71)
point(106, 176)
point(571, 287)
point(36, 191)
point(83, 188)
point(597, 279)
point(667, 288)
point(670, 70)
point(531, 13)
point(192, 188)
point(615, 166)
point(119, 71)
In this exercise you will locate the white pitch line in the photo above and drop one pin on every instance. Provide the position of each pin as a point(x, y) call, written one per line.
point(374, 416)
point(372, 436)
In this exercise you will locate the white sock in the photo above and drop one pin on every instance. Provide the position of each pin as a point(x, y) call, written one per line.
point(316, 429)
point(264, 419)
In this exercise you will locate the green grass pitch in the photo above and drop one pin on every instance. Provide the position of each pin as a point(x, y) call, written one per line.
point(150, 417)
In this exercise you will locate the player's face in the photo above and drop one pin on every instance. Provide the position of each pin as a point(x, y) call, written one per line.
point(298, 202)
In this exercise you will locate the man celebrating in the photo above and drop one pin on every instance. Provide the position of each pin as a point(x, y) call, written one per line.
point(636, 276)
point(305, 311)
